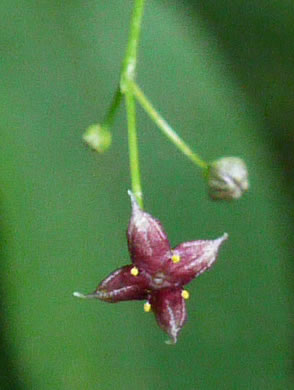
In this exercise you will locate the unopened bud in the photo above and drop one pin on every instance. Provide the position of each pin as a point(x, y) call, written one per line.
point(97, 137)
point(227, 178)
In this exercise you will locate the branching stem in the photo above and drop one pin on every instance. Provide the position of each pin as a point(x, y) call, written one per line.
point(166, 129)
point(131, 91)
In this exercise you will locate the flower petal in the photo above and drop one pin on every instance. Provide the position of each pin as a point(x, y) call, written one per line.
point(148, 243)
point(170, 311)
point(120, 285)
point(194, 257)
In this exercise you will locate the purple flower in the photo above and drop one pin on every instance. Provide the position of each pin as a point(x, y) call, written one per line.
point(158, 272)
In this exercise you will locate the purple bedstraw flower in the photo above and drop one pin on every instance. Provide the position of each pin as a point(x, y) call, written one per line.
point(158, 273)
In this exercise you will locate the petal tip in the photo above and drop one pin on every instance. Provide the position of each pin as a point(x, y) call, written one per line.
point(84, 296)
point(171, 341)
point(133, 199)
point(79, 295)
point(224, 237)
point(219, 241)
point(131, 195)
point(135, 204)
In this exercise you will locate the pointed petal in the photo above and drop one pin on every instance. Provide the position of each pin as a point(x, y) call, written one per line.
point(148, 243)
point(119, 286)
point(170, 311)
point(195, 258)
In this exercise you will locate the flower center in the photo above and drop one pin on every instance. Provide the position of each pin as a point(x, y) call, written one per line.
point(158, 278)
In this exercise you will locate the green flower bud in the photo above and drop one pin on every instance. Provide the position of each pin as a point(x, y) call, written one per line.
point(98, 137)
point(227, 178)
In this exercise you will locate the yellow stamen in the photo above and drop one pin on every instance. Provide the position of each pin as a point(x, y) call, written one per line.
point(134, 271)
point(176, 258)
point(185, 294)
point(147, 307)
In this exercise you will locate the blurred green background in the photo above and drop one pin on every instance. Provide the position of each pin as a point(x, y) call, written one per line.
point(222, 74)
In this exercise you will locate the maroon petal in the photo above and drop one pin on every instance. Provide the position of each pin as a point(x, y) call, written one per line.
point(148, 243)
point(169, 308)
point(120, 285)
point(193, 258)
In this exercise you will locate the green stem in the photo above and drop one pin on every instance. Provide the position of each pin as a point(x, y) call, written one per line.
point(128, 73)
point(165, 127)
point(110, 116)
point(130, 60)
point(133, 148)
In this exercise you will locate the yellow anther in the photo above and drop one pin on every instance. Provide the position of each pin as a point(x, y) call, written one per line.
point(147, 307)
point(185, 294)
point(134, 271)
point(176, 258)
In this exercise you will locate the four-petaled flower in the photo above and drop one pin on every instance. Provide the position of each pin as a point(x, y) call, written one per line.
point(158, 273)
